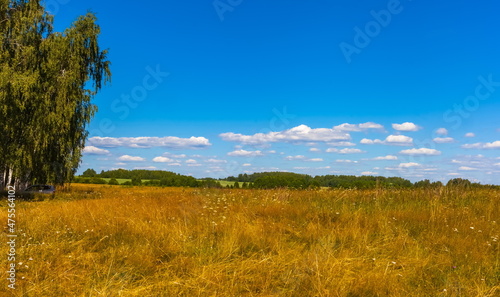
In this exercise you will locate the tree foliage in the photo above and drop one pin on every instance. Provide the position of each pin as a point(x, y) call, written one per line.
point(89, 173)
point(47, 81)
point(269, 180)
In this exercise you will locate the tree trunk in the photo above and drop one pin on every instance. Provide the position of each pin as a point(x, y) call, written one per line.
point(3, 177)
point(9, 177)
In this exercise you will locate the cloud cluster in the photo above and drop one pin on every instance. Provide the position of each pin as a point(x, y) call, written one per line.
point(358, 127)
point(149, 142)
point(164, 160)
point(92, 150)
point(127, 158)
point(336, 136)
point(401, 140)
point(244, 153)
point(215, 161)
point(341, 143)
point(345, 161)
point(345, 151)
point(442, 131)
point(407, 126)
point(409, 165)
point(443, 140)
point(388, 157)
point(300, 133)
point(421, 152)
point(303, 158)
point(481, 145)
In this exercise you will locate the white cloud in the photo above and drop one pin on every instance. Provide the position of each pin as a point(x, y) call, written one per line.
point(244, 153)
point(120, 164)
point(466, 168)
point(480, 145)
point(92, 150)
point(492, 145)
point(345, 161)
point(358, 127)
point(146, 168)
point(148, 142)
point(191, 161)
point(298, 157)
point(421, 152)
point(409, 165)
point(303, 158)
point(272, 152)
point(315, 160)
point(127, 158)
point(174, 164)
point(313, 149)
point(163, 160)
point(341, 143)
point(443, 140)
point(453, 174)
point(369, 141)
point(442, 131)
point(407, 126)
point(398, 140)
point(470, 134)
point(300, 133)
point(247, 164)
point(167, 154)
point(300, 168)
point(390, 140)
point(388, 157)
point(215, 161)
point(345, 151)
point(369, 173)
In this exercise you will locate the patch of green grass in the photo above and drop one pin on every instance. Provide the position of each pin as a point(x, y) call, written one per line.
point(227, 183)
point(121, 181)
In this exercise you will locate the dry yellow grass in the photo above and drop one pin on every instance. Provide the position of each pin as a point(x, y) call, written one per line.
point(115, 241)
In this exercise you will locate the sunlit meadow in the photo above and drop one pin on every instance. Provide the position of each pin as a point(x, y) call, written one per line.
point(142, 241)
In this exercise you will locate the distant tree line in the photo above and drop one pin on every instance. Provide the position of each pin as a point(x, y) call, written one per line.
point(270, 180)
point(263, 180)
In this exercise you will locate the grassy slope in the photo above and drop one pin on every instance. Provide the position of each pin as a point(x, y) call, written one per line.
point(114, 241)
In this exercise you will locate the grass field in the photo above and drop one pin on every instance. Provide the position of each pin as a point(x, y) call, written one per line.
point(115, 241)
point(227, 183)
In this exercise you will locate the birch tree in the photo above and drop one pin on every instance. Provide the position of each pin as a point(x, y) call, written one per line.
point(47, 82)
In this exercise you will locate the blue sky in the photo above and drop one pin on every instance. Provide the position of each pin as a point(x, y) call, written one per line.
point(217, 88)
